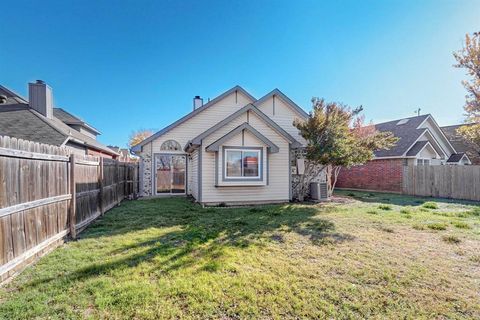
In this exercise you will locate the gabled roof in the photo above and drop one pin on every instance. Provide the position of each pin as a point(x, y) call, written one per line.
point(197, 141)
point(456, 157)
point(459, 143)
point(70, 119)
point(408, 133)
point(21, 121)
point(417, 147)
point(191, 115)
point(12, 97)
point(278, 93)
point(273, 148)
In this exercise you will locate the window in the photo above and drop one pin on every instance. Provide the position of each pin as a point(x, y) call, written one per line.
point(171, 145)
point(242, 163)
point(423, 162)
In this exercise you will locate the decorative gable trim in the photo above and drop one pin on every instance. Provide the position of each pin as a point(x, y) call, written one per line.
point(272, 147)
point(237, 88)
point(197, 141)
point(287, 100)
point(439, 129)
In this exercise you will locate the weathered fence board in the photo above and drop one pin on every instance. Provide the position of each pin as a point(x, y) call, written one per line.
point(454, 182)
point(47, 193)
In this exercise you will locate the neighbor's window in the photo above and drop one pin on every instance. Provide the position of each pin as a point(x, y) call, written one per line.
point(242, 163)
point(423, 162)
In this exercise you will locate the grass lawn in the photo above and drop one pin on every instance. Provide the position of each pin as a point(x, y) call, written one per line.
point(370, 255)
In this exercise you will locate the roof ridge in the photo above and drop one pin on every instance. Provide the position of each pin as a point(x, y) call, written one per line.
point(283, 96)
point(192, 114)
point(412, 117)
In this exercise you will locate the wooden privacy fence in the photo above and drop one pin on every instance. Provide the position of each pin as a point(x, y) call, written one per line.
point(47, 193)
point(455, 182)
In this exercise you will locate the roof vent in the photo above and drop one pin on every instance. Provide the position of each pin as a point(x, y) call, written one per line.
point(3, 99)
point(403, 121)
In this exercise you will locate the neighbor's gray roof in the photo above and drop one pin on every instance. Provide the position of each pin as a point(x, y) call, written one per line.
point(417, 147)
point(459, 143)
point(70, 119)
point(21, 121)
point(12, 97)
point(407, 134)
point(456, 157)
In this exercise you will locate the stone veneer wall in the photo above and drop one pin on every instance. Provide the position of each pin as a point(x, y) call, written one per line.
point(146, 172)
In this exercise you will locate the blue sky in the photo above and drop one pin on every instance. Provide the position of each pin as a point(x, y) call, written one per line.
point(126, 65)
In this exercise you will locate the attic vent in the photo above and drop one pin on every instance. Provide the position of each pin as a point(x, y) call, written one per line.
point(403, 121)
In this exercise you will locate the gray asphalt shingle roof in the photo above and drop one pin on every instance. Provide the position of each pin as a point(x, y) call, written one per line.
point(69, 118)
point(417, 147)
point(20, 121)
point(407, 134)
point(456, 157)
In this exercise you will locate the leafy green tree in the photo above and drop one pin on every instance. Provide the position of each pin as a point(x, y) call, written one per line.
point(469, 58)
point(337, 137)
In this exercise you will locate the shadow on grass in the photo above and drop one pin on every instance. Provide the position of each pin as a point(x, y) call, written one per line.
point(200, 235)
point(398, 199)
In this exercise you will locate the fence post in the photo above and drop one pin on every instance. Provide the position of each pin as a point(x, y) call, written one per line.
point(118, 181)
point(125, 181)
point(73, 202)
point(100, 183)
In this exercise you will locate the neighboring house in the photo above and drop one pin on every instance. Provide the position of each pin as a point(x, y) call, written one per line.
point(124, 154)
point(461, 144)
point(234, 149)
point(421, 142)
point(38, 120)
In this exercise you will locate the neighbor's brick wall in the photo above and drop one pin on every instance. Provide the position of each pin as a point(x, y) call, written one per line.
point(381, 175)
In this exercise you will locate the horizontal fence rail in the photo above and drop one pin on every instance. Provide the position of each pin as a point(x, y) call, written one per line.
point(47, 193)
point(448, 181)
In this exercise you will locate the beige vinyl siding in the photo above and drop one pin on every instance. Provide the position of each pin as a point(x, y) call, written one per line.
point(193, 174)
point(203, 121)
point(278, 186)
point(284, 116)
point(190, 129)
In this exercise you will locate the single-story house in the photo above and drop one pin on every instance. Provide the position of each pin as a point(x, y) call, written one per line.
point(38, 120)
point(461, 144)
point(421, 142)
point(235, 149)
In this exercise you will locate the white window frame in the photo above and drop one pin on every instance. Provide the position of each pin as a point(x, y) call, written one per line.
point(260, 163)
point(423, 162)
